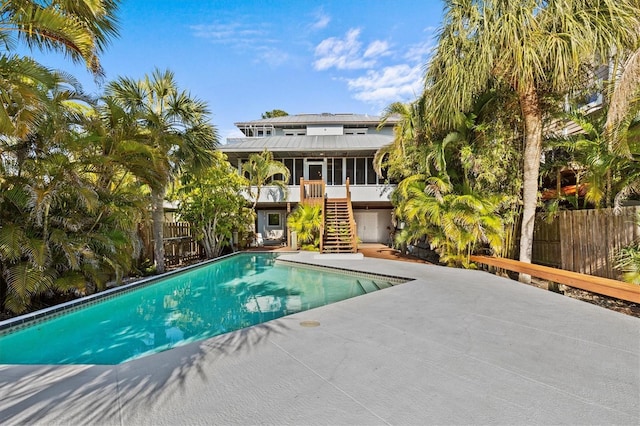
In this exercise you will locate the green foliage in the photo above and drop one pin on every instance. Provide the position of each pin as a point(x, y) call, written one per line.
point(263, 170)
point(174, 125)
point(609, 175)
point(531, 49)
point(23, 99)
point(275, 113)
point(452, 180)
point(628, 261)
point(69, 212)
point(212, 202)
point(455, 225)
point(306, 221)
point(80, 29)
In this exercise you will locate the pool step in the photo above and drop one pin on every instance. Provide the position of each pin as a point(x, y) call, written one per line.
point(369, 285)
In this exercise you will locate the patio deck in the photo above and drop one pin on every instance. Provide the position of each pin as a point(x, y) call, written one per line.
point(451, 347)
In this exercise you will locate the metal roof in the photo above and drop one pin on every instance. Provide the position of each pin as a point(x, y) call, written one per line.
point(325, 118)
point(327, 144)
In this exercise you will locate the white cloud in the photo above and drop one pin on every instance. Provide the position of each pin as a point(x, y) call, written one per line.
point(342, 54)
point(231, 33)
point(256, 39)
point(418, 53)
point(393, 83)
point(385, 74)
point(322, 20)
point(376, 49)
point(272, 56)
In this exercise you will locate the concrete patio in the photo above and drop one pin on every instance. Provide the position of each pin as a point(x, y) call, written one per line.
point(451, 347)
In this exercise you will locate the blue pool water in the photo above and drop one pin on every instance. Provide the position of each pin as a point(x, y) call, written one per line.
point(222, 296)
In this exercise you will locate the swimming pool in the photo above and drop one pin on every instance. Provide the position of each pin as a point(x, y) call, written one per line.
point(221, 296)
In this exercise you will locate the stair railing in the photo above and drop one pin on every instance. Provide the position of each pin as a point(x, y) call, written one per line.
point(311, 192)
point(352, 221)
point(322, 219)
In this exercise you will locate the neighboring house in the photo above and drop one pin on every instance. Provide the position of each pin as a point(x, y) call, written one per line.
point(588, 104)
point(328, 148)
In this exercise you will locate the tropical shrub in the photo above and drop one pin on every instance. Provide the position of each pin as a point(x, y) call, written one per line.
point(452, 180)
point(628, 261)
point(213, 203)
point(306, 221)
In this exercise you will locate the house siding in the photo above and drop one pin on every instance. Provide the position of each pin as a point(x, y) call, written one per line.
point(332, 147)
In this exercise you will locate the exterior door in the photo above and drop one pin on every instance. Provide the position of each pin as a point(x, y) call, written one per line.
point(366, 226)
point(315, 170)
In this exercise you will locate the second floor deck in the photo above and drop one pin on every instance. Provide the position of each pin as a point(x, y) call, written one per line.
point(360, 194)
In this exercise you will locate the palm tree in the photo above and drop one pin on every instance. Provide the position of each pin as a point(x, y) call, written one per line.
point(629, 160)
point(455, 224)
point(62, 227)
point(261, 170)
point(306, 221)
point(531, 47)
point(23, 88)
point(175, 126)
point(80, 29)
point(624, 99)
point(409, 133)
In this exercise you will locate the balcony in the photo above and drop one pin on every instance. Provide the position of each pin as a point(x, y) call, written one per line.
point(359, 193)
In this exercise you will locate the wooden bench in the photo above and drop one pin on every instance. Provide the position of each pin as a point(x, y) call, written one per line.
point(605, 286)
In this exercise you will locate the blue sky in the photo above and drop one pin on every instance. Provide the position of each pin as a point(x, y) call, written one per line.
point(247, 57)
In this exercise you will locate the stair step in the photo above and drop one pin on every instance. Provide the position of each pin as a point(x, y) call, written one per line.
point(368, 285)
point(382, 284)
point(345, 249)
point(338, 236)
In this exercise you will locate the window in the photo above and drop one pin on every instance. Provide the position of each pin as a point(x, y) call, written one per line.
point(350, 170)
point(360, 171)
point(334, 171)
point(299, 171)
point(273, 219)
point(371, 174)
point(289, 163)
point(354, 131)
point(337, 171)
point(294, 132)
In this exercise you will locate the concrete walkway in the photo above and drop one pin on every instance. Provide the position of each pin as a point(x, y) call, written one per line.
point(450, 347)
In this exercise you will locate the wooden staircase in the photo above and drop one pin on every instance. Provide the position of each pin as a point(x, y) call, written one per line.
point(339, 231)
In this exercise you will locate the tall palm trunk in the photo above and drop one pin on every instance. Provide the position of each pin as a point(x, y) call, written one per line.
point(532, 115)
point(157, 216)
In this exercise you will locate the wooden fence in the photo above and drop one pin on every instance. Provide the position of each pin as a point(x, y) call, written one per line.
point(585, 241)
point(179, 245)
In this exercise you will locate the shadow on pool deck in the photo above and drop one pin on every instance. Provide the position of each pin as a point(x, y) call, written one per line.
point(452, 346)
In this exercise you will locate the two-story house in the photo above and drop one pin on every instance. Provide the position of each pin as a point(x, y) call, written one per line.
point(329, 156)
